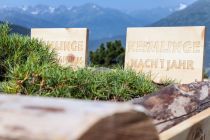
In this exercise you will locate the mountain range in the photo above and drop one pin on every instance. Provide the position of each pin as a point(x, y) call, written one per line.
point(102, 22)
point(196, 14)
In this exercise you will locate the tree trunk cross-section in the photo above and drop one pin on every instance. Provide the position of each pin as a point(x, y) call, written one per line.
point(35, 118)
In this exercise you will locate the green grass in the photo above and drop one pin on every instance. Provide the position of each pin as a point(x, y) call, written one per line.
point(29, 68)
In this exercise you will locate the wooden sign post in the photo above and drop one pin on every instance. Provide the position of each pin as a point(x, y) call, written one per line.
point(70, 44)
point(174, 53)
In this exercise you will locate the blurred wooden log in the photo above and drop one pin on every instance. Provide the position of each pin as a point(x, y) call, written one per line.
point(176, 103)
point(34, 118)
point(195, 128)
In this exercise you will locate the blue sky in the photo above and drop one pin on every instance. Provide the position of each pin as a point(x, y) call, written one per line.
point(118, 4)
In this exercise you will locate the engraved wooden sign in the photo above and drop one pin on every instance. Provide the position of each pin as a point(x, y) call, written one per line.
point(174, 53)
point(70, 44)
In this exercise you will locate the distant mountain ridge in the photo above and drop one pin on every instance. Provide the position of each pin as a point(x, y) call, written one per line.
point(102, 22)
point(197, 14)
point(152, 15)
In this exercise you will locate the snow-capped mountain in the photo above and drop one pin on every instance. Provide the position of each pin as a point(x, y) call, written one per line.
point(102, 22)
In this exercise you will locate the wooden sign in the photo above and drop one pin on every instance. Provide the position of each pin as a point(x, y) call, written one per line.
point(70, 44)
point(167, 53)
